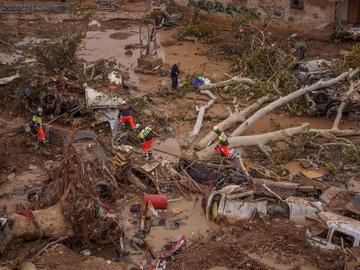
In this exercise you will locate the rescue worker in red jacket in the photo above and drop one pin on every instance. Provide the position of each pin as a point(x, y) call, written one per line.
point(148, 137)
point(223, 147)
point(36, 123)
point(126, 115)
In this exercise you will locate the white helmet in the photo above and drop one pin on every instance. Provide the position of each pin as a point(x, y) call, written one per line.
point(123, 102)
point(39, 110)
point(215, 128)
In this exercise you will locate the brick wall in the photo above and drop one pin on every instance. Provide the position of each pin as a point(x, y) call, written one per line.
point(315, 13)
point(354, 11)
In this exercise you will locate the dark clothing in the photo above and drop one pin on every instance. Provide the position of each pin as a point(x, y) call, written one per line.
point(146, 134)
point(301, 50)
point(149, 136)
point(175, 71)
point(301, 53)
point(224, 143)
point(125, 110)
point(174, 82)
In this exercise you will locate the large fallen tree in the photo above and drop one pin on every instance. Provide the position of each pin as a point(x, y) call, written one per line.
point(256, 140)
point(234, 118)
point(286, 99)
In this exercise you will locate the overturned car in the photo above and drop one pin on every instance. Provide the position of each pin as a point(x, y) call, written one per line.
point(331, 231)
point(237, 203)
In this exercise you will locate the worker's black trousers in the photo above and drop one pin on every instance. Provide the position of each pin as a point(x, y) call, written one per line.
point(174, 82)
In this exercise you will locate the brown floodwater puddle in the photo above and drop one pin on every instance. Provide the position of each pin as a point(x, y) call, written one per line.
point(110, 44)
point(192, 221)
point(194, 224)
point(274, 121)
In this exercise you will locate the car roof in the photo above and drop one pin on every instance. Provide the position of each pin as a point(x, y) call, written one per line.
point(341, 222)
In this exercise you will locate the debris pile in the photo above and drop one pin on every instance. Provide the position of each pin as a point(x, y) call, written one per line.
point(106, 158)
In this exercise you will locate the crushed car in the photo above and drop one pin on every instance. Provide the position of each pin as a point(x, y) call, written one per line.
point(323, 101)
point(236, 203)
point(332, 231)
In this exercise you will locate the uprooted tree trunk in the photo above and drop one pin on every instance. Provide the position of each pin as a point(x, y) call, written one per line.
point(231, 81)
point(49, 223)
point(258, 140)
point(284, 100)
point(233, 119)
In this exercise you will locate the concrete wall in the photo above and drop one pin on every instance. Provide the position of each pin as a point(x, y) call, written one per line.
point(315, 15)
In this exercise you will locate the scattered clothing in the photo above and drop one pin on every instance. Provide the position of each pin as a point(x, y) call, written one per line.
point(199, 80)
point(175, 72)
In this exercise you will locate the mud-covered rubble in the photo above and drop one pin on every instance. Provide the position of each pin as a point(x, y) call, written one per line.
point(89, 191)
point(258, 244)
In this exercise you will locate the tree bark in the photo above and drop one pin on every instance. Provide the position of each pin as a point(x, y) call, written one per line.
point(199, 119)
point(233, 119)
point(9, 79)
point(48, 223)
point(209, 94)
point(231, 81)
point(260, 139)
point(286, 99)
point(338, 133)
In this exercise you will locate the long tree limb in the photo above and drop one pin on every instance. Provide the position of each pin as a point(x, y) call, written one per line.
point(286, 99)
point(199, 119)
point(233, 119)
point(6, 80)
point(260, 139)
point(231, 81)
point(340, 110)
point(208, 93)
point(347, 96)
point(338, 133)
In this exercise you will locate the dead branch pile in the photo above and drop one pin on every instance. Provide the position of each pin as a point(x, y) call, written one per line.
point(206, 32)
point(340, 156)
point(85, 193)
point(353, 59)
point(256, 55)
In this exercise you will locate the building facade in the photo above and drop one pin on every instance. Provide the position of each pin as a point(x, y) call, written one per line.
point(308, 13)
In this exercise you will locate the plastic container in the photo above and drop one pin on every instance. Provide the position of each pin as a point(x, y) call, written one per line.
point(157, 201)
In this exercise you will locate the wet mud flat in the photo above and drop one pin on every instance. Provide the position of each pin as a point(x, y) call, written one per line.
point(261, 243)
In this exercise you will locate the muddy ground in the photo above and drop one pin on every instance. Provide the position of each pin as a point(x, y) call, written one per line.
point(255, 244)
